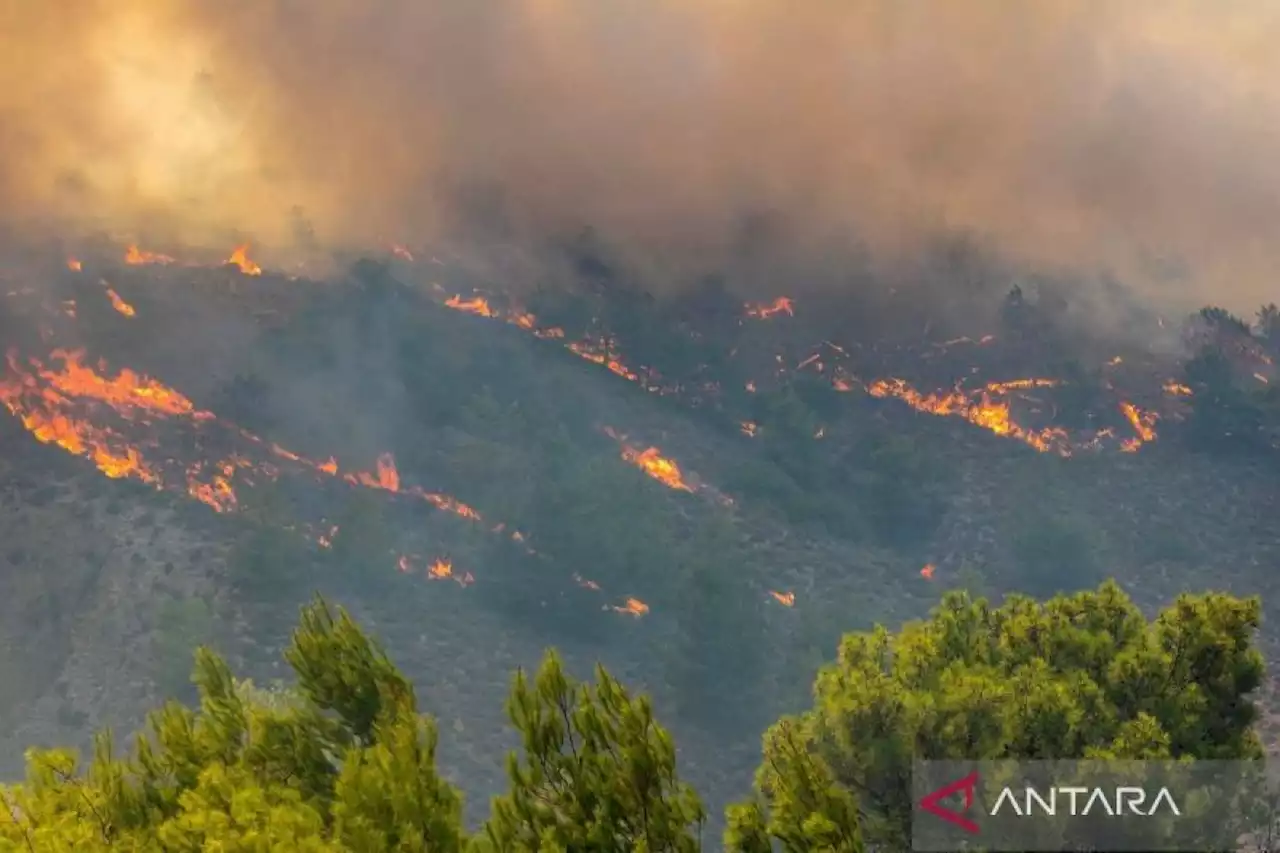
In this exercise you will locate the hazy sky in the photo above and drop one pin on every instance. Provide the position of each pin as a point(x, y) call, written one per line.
point(1069, 131)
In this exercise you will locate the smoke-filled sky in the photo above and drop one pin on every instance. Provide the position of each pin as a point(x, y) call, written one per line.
point(1137, 134)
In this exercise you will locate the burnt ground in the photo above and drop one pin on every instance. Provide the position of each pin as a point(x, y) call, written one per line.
point(108, 584)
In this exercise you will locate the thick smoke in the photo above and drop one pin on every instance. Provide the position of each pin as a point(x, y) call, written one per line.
point(1139, 135)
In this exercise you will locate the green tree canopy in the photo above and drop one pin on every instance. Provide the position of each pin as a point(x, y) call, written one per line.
point(343, 761)
point(1085, 676)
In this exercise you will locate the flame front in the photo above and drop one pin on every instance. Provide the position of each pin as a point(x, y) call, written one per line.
point(979, 409)
point(135, 256)
point(240, 258)
point(786, 599)
point(478, 305)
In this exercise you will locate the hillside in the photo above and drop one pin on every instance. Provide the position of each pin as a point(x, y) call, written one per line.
point(701, 493)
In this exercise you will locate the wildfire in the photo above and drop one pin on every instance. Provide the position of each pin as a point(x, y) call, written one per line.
point(980, 410)
point(632, 606)
point(786, 599)
point(117, 302)
point(599, 353)
point(218, 493)
point(74, 265)
point(443, 570)
point(1143, 424)
point(127, 393)
point(135, 256)
point(653, 463)
point(240, 258)
point(477, 305)
point(1176, 389)
point(401, 252)
point(765, 310)
point(749, 428)
point(927, 571)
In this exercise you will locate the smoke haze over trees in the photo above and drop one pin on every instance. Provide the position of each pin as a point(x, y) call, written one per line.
point(1133, 135)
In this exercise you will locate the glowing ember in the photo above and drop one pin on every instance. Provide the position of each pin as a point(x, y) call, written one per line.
point(135, 256)
point(927, 571)
point(632, 606)
point(240, 258)
point(1176, 389)
point(117, 302)
point(786, 599)
point(765, 310)
point(73, 264)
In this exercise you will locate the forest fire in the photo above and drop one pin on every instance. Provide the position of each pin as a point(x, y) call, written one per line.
point(631, 607)
point(118, 303)
point(135, 257)
point(786, 599)
point(652, 462)
point(74, 265)
point(240, 258)
point(978, 408)
point(765, 310)
point(477, 305)
point(1143, 424)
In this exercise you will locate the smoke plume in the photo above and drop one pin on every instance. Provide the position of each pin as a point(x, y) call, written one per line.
point(1136, 135)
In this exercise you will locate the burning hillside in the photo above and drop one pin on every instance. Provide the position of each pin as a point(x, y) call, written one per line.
point(133, 426)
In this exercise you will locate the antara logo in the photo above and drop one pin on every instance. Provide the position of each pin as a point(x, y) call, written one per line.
point(1028, 802)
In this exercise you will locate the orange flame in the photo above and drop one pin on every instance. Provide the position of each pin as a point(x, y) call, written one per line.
point(240, 258)
point(927, 571)
point(982, 411)
point(73, 264)
point(1143, 424)
point(118, 303)
point(786, 599)
point(135, 256)
point(652, 462)
point(443, 570)
point(765, 310)
point(1176, 389)
point(477, 305)
point(632, 606)
point(127, 393)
